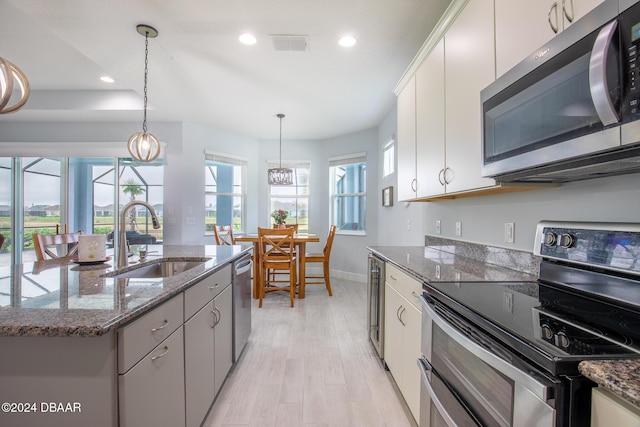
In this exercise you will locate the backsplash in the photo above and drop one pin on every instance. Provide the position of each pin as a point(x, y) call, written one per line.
point(509, 258)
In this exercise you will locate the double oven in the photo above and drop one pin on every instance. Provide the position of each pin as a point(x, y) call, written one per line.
point(507, 353)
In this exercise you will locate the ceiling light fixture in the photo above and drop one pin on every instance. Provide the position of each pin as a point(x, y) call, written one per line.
point(107, 79)
point(280, 175)
point(347, 41)
point(144, 146)
point(248, 39)
point(10, 75)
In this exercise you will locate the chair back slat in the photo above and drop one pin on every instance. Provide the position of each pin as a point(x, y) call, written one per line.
point(276, 243)
point(329, 243)
point(224, 235)
point(46, 243)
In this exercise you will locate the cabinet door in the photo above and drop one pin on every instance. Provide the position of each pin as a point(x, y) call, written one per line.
point(223, 336)
point(393, 332)
point(469, 68)
point(412, 318)
point(199, 365)
point(430, 136)
point(407, 141)
point(521, 27)
point(581, 8)
point(607, 409)
point(152, 392)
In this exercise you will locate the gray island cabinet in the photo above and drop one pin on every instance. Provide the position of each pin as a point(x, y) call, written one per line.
point(131, 352)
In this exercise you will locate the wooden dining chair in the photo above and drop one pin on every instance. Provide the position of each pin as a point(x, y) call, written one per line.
point(1, 241)
point(224, 235)
point(321, 258)
point(55, 245)
point(276, 255)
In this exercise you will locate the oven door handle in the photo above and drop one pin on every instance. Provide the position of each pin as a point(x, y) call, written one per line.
point(538, 389)
point(424, 367)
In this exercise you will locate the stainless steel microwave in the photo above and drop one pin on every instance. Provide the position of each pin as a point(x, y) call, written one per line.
point(570, 110)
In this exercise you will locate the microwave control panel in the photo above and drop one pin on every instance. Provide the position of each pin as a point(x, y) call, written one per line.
point(630, 53)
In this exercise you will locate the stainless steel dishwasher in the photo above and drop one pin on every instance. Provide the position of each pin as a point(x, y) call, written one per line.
point(241, 303)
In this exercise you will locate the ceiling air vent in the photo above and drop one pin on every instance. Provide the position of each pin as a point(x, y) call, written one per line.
point(289, 42)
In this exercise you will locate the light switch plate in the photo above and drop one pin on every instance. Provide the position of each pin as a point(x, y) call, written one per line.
point(438, 227)
point(509, 232)
point(458, 228)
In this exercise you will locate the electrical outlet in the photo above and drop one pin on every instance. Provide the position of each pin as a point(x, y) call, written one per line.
point(458, 228)
point(438, 227)
point(507, 302)
point(509, 232)
point(408, 225)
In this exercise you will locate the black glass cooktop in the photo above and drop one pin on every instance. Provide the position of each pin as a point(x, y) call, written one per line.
point(554, 326)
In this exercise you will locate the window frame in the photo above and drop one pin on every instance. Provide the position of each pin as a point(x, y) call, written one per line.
point(350, 159)
point(233, 161)
point(298, 164)
point(389, 165)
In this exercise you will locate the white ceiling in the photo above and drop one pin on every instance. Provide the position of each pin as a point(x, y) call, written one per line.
point(200, 73)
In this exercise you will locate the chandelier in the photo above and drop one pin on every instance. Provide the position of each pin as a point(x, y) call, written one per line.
point(144, 146)
point(10, 75)
point(280, 175)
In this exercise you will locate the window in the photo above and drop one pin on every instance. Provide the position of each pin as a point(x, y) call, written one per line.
point(224, 191)
point(292, 198)
point(348, 185)
point(389, 158)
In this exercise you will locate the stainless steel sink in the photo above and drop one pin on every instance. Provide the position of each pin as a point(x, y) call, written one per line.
point(162, 267)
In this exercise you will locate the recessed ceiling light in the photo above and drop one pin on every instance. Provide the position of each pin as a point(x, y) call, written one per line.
point(107, 79)
point(347, 41)
point(248, 39)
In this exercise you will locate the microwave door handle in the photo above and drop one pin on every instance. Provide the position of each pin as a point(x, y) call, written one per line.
point(424, 367)
point(598, 75)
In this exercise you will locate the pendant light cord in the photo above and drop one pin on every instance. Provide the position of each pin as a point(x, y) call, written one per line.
point(280, 116)
point(146, 72)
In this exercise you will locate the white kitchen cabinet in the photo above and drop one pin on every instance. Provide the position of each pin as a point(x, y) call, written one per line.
point(402, 334)
point(406, 143)
point(430, 126)
point(469, 68)
point(208, 342)
point(522, 26)
point(608, 409)
point(152, 392)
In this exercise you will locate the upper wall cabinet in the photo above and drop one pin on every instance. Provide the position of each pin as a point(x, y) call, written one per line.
point(469, 68)
point(522, 26)
point(407, 182)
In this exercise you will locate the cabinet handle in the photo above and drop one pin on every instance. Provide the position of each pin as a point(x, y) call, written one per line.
point(554, 27)
point(214, 286)
point(216, 319)
point(166, 350)
point(448, 175)
point(400, 317)
point(398, 313)
point(392, 278)
point(566, 14)
point(164, 325)
point(414, 185)
point(441, 176)
point(415, 295)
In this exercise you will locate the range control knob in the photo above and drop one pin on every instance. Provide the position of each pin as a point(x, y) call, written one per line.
point(567, 240)
point(562, 340)
point(547, 332)
point(550, 239)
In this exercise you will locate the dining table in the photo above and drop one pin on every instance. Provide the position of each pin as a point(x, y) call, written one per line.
point(299, 239)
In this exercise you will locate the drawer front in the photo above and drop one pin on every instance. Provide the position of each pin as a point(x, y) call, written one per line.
point(139, 337)
point(198, 295)
point(406, 285)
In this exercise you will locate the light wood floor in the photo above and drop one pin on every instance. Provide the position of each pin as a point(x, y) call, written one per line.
point(310, 365)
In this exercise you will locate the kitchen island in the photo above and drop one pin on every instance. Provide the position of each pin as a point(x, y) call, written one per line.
point(75, 341)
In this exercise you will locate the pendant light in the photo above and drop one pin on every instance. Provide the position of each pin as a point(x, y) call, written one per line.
point(10, 75)
point(144, 146)
point(280, 175)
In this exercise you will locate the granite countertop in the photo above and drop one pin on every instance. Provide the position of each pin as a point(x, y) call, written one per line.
point(62, 298)
point(622, 377)
point(435, 264)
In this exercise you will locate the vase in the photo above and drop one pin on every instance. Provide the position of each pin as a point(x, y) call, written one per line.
point(283, 225)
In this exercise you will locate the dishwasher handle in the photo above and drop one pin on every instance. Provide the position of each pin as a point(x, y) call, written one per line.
point(243, 266)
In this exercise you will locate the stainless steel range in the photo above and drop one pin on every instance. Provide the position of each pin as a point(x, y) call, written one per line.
point(507, 354)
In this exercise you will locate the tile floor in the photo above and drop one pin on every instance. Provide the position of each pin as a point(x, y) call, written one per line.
point(310, 365)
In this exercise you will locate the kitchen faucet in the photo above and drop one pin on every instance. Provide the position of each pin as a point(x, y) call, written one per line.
point(123, 258)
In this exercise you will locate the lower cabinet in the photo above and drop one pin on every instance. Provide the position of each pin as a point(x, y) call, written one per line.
point(402, 333)
point(208, 355)
point(607, 409)
point(152, 392)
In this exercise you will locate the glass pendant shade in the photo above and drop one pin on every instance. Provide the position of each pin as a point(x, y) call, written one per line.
point(280, 175)
point(9, 76)
point(144, 146)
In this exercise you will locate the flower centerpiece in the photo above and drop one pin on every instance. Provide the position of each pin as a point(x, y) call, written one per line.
point(279, 215)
